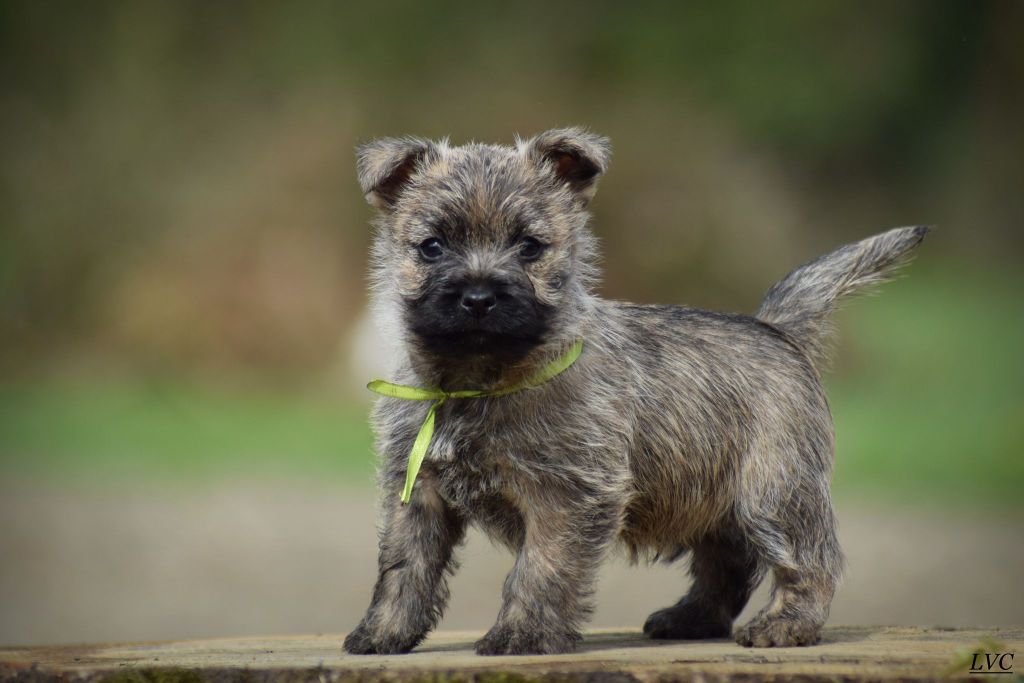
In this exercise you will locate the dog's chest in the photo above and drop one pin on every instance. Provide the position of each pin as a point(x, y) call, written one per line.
point(478, 439)
point(486, 448)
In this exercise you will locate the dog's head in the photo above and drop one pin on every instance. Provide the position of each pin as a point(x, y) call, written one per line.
point(484, 248)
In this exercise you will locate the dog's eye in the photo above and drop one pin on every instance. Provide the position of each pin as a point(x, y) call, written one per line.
point(431, 249)
point(530, 249)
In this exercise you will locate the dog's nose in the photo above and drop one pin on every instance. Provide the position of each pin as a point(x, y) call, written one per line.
point(478, 299)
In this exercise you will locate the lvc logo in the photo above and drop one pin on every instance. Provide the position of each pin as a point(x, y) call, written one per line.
point(992, 663)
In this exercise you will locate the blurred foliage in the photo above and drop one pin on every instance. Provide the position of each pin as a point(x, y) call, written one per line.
point(929, 402)
point(178, 206)
point(100, 433)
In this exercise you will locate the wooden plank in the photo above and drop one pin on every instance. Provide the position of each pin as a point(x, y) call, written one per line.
point(846, 653)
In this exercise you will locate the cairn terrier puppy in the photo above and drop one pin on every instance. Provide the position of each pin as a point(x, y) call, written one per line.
point(675, 431)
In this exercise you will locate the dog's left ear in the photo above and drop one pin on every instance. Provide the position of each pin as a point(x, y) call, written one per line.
point(574, 155)
point(385, 167)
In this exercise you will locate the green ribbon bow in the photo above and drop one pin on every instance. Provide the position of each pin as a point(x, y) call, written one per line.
point(439, 396)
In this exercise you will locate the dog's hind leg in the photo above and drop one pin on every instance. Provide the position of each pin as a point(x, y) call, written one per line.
point(725, 570)
point(796, 537)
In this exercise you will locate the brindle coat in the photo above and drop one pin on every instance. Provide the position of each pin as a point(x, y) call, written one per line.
point(676, 430)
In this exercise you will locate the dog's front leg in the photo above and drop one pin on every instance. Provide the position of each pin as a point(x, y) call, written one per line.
point(416, 545)
point(546, 595)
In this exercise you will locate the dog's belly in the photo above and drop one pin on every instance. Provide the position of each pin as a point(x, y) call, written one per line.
point(654, 531)
point(677, 498)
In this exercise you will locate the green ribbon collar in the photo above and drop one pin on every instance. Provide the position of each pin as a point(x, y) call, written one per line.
point(439, 396)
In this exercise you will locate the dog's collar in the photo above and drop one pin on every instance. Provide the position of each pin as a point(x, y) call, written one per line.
point(439, 396)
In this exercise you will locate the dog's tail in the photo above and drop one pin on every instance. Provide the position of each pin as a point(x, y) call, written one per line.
point(802, 302)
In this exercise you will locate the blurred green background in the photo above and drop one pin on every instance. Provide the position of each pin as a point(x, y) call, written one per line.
point(184, 243)
point(183, 338)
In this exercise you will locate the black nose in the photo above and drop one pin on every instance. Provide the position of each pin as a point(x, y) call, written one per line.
point(478, 299)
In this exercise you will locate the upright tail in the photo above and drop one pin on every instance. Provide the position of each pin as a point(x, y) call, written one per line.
point(802, 302)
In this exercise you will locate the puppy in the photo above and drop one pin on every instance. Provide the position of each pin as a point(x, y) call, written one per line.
point(675, 430)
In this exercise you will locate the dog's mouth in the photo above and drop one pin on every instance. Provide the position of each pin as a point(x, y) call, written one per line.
point(503, 347)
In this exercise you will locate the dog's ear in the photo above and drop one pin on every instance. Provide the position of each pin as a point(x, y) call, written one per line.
point(575, 156)
point(384, 167)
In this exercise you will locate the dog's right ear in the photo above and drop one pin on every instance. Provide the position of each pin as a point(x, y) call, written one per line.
point(384, 167)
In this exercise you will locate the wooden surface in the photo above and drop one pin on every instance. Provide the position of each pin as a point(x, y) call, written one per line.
point(846, 653)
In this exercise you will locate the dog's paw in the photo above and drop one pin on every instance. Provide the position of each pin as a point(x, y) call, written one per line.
point(778, 631)
point(506, 640)
point(685, 621)
point(362, 641)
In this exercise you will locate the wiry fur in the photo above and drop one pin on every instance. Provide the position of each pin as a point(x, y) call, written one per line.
point(676, 430)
